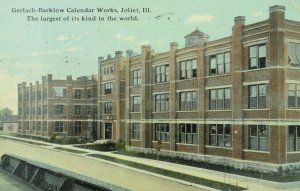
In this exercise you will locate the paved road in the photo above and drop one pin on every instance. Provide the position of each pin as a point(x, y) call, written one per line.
point(93, 168)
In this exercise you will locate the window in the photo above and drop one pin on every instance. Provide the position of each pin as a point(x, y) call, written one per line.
point(26, 98)
point(162, 132)
point(219, 64)
point(77, 128)
point(294, 54)
point(33, 110)
point(108, 107)
point(45, 93)
point(135, 131)
point(38, 110)
point(220, 99)
point(32, 95)
point(259, 137)
point(59, 126)
point(38, 125)
point(188, 101)
point(77, 94)
point(33, 125)
point(257, 56)
point(220, 135)
point(162, 73)
point(88, 93)
point(26, 125)
point(1, 126)
point(108, 70)
point(136, 77)
point(59, 109)
point(188, 133)
point(188, 69)
point(294, 138)
point(162, 102)
point(108, 88)
point(257, 96)
point(136, 106)
point(77, 110)
point(39, 95)
point(45, 126)
point(294, 95)
point(45, 109)
point(59, 92)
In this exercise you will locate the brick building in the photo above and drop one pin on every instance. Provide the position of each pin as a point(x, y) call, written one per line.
point(60, 107)
point(237, 97)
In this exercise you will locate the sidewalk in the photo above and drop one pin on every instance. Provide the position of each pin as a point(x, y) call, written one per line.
point(246, 182)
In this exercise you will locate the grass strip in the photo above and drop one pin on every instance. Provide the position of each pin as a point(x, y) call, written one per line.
point(276, 177)
point(70, 150)
point(172, 174)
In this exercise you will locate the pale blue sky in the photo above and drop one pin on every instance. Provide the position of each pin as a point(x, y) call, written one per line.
point(29, 50)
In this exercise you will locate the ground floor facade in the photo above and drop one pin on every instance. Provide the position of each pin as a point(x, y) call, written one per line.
point(271, 142)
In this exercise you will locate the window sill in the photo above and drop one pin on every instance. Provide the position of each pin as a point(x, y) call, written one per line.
point(167, 82)
point(293, 109)
point(187, 144)
point(217, 110)
point(135, 140)
point(187, 111)
point(218, 75)
point(256, 151)
point(160, 111)
point(293, 152)
point(180, 80)
point(256, 69)
point(135, 112)
point(218, 147)
point(255, 109)
point(161, 142)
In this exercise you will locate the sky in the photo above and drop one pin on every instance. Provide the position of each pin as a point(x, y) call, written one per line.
point(32, 49)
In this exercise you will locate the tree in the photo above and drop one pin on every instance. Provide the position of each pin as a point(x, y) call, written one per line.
point(6, 111)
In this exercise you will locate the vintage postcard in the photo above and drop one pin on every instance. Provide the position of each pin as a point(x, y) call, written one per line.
point(149, 95)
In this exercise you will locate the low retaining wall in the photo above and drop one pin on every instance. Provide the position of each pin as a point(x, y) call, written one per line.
point(52, 178)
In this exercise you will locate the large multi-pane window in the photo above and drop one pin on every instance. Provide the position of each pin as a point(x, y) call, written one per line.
point(294, 138)
point(59, 92)
point(220, 135)
point(32, 95)
point(257, 96)
point(108, 107)
point(136, 103)
point(294, 54)
point(45, 126)
point(108, 87)
point(59, 126)
point(294, 95)
point(135, 131)
point(259, 137)
point(77, 94)
point(38, 110)
point(39, 95)
point(188, 133)
point(162, 102)
point(45, 109)
point(39, 125)
point(219, 64)
point(162, 132)
point(77, 110)
point(257, 56)
point(188, 101)
point(188, 69)
point(136, 77)
point(220, 99)
point(59, 109)
point(45, 93)
point(162, 73)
